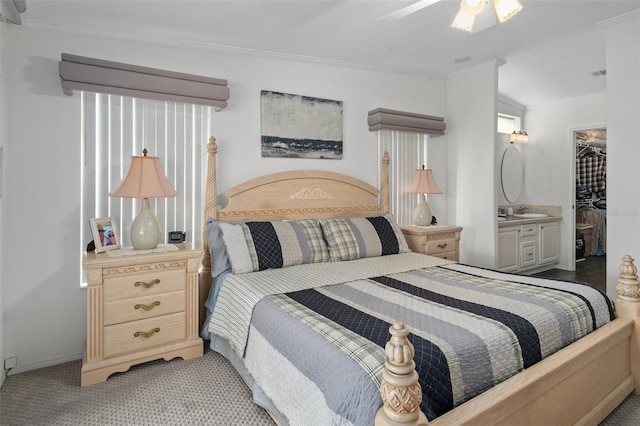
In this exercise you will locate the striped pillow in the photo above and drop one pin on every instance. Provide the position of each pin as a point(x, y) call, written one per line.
point(353, 238)
point(256, 246)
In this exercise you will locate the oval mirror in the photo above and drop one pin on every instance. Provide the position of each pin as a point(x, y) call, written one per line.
point(512, 175)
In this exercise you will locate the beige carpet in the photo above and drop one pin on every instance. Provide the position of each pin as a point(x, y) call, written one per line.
point(202, 391)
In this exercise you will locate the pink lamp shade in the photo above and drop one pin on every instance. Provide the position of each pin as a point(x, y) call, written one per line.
point(145, 179)
point(423, 183)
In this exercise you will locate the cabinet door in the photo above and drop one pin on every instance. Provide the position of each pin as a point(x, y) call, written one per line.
point(549, 242)
point(528, 252)
point(508, 249)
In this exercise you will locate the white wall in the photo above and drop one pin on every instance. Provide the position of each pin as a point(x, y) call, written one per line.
point(43, 305)
point(471, 150)
point(550, 161)
point(623, 146)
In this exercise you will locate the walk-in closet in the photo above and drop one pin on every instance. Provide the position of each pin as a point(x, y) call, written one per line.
point(591, 193)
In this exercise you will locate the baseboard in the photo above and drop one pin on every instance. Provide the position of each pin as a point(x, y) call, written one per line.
point(43, 364)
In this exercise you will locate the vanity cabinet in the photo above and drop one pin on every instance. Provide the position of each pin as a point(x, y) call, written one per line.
point(508, 248)
point(527, 246)
point(549, 242)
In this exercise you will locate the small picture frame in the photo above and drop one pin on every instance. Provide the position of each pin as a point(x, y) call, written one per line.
point(105, 233)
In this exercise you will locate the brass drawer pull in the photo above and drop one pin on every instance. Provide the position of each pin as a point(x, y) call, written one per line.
point(147, 307)
point(146, 334)
point(147, 285)
point(442, 246)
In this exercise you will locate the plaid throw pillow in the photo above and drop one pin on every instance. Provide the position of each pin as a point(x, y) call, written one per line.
point(256, 246)
point(353, 238)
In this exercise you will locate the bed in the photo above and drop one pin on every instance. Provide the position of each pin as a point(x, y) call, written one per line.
point(342, 324)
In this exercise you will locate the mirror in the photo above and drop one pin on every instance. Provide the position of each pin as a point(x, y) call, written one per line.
point(512, 175)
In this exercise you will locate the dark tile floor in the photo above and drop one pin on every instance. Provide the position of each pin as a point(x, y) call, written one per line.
point(592, 270)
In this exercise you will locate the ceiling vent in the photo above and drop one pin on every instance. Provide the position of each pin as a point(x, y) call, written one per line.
point(599, 73)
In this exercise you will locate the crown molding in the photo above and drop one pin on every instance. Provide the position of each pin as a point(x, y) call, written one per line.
point(155, 39)
point(619, 18)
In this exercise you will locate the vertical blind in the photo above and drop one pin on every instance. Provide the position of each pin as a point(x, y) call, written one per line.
point(407, 152)
point(117, 127)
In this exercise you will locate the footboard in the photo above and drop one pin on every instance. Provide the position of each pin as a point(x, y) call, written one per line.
point(582, 383)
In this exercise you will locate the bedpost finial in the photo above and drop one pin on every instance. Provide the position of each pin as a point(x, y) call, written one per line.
point(401, 393)
point(627, 267)
point(628, 286)
point(212, 146)
point(399, 349)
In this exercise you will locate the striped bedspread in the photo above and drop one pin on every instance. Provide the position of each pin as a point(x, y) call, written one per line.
point(471, 328)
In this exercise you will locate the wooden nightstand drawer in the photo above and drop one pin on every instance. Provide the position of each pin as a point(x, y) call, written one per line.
point(120, 311)
point(149, 283)
point(140, 307)
point(438, 241)
point(450, 255)
point(139, 335)
point(440, 246)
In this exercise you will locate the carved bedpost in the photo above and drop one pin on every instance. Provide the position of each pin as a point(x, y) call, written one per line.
point(628, 305)
point(400, 390)
point(628, 286)
point(384, 185)
point(210, 211)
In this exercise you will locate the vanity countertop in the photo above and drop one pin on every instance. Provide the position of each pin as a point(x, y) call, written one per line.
point(515, 220)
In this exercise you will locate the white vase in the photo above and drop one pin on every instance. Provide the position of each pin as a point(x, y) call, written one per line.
point(422, 214)
point(145, 229)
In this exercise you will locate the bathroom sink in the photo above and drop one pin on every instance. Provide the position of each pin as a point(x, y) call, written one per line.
point(531, 215)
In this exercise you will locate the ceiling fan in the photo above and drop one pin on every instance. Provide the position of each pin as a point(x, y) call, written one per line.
point(471, 11)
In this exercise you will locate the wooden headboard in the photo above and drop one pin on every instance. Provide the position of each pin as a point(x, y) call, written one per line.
point(289, 195)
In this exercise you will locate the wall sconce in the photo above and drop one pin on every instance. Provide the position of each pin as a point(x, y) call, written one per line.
point(423, 183)
point(519, 137)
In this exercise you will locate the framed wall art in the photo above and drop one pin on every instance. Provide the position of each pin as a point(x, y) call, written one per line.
point(295, 126)
point(105, 233)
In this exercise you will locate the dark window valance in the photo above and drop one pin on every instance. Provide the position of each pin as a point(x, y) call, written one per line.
point(382, 118)
point(97, 75)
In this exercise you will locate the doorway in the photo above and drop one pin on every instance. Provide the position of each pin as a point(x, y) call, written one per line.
point(590, 204)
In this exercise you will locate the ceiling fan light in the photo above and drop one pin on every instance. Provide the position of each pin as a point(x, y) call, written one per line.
point(463, 21)
point(472, 7)
point(506, 9)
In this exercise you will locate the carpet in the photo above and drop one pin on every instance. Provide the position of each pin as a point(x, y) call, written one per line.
point(201, 391)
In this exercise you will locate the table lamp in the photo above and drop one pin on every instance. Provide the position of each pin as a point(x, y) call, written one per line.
point(145, 179)
point(423, 183)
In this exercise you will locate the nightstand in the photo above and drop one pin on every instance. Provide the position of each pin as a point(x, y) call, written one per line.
point(139, 308)
point(439, 241)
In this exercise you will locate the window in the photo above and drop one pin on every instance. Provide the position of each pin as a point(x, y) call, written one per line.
point(508, 123)
point(117, 127)
point(407, 152)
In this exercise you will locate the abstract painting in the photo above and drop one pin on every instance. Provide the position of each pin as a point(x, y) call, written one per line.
point(295, 126)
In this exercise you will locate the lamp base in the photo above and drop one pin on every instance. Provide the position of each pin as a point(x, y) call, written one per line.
point(145, 229)
point(422, 214)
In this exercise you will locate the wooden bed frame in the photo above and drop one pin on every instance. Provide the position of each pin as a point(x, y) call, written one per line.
point(581, 383)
